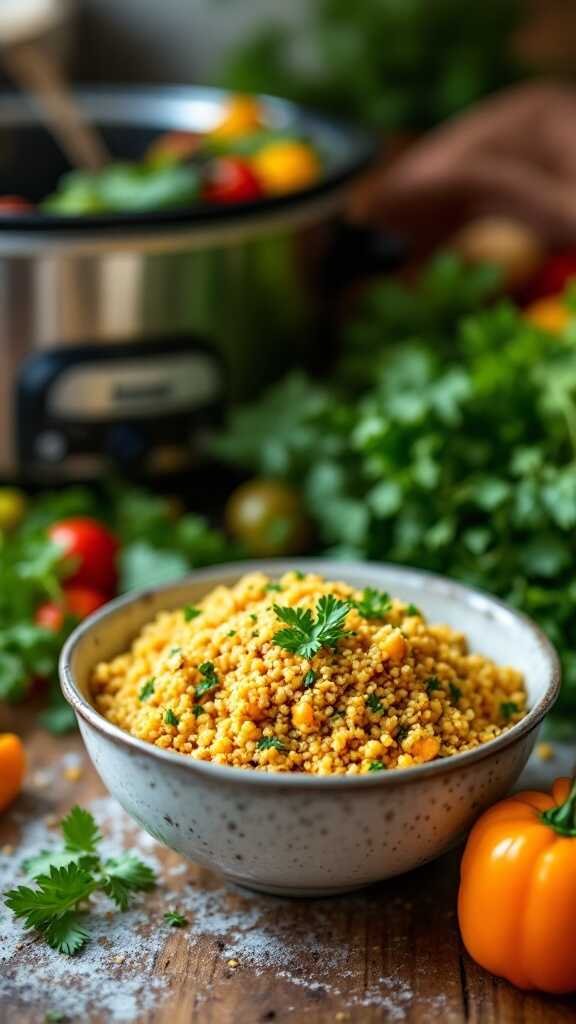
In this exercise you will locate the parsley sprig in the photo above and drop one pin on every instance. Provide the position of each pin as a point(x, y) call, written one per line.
point(270, 743)
point(209, 679)
point(374, 604)
point(175, 919)
point(307, 635)
point(66, 878)
point(507, 709)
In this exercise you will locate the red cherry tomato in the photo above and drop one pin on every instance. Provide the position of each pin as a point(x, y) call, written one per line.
point(92, 547)
point(50, 616)
point(554, 276)
point(231, 180)
point(77, 601)
point(14, 204)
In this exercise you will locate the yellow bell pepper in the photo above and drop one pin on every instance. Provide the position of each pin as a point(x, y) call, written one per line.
point(12, 508)
point(286, 166)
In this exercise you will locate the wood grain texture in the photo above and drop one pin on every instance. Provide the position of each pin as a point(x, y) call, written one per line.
point(399, 955)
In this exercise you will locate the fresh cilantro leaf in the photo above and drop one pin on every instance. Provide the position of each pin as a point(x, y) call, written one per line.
point(41, 863)
point(376, 766)
point(231, 632)
point(190, 612)
point(374, 703)
point(269, 743)
point(272, 586)
point(173, 651)
point(210, 679)
point(305, 635)
point(374, 604)
point(57, 892)
point(455, 693)
point(507, 709)
point(66, 933)
point(175, 919)
point(65, 879)
point(309, 679)
point(80, 831)
point(433, 683)
point(298, 575)
point(170, 718)
point(147, 689)
point(124, 875)
point(197, 710)
point(253, 617)
point(402, 733)
point(411, 609)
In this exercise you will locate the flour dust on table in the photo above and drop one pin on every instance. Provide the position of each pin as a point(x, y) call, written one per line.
point(116, 975)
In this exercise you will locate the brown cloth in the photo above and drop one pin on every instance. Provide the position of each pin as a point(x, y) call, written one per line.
point(514, 155)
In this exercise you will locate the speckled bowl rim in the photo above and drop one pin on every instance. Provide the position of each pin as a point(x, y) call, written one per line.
point(474, 599)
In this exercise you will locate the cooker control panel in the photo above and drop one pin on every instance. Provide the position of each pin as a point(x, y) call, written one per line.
point(143, 406)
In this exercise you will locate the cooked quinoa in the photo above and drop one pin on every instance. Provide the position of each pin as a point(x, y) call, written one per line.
point(213, 683)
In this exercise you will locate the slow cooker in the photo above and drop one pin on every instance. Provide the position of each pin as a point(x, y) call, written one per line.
point(122, 337)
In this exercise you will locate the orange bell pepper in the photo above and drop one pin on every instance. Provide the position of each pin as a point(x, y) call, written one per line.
point(12, 768)
point(241, 116)
point(550, 314)
point(517, 900)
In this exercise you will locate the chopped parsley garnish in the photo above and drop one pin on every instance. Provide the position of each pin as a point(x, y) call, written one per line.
point(231, 632)
point(173, 651)
point(411, 609)
point(376, 766)
point(190, 612)
point(402, 733)
point(273, 587)
point(210, 679)
point(197, 710)
point(175, 919)
point(374, 604)
point(374, 703)
point(269, 743)
point(54, 1016)
point(253, 617)
point(433, 683)
point(66, 878)
point(309, 679)
point(507, 709)
point(455, 692)
point(297, 574)
point(147, 689)
point(170, 718)
point(305, 635)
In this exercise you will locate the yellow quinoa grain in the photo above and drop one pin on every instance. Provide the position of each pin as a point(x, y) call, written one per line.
point(395, 689)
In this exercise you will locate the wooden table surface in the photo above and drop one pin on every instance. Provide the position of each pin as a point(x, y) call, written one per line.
point(390, 953)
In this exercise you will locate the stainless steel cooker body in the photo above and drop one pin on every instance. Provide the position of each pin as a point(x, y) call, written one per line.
point(123, 337)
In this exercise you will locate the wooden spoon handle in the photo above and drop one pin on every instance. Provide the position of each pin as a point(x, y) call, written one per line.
point(37, 74)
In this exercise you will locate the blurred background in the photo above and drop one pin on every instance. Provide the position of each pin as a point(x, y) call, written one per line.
point(340, 319)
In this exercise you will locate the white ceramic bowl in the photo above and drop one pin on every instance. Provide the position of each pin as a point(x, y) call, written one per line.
point(298, 834)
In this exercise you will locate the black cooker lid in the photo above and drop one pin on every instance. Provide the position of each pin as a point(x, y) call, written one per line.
point(130, 118)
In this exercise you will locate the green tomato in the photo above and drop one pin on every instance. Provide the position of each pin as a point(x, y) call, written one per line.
point(12, 508)
point(267, 517)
